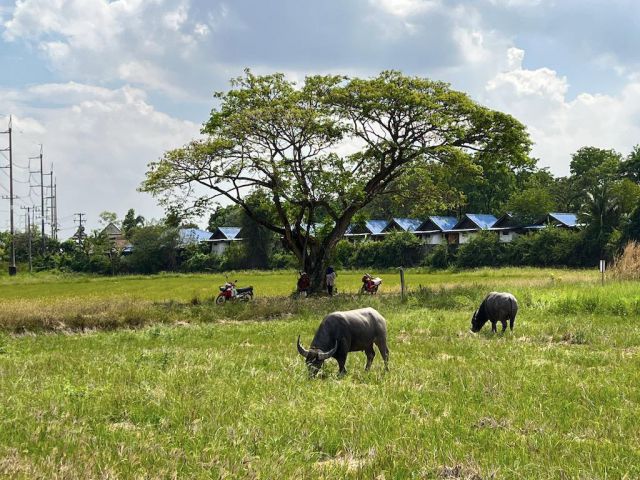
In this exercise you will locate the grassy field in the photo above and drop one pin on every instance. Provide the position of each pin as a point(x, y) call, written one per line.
point(215, 392)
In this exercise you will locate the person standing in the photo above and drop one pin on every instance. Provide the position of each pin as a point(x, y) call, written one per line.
point(331, 280)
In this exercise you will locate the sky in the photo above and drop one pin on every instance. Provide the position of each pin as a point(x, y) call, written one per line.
point(106, 86)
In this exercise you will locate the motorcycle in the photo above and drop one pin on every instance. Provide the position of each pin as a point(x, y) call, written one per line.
point(370, 284)
point(229, 292)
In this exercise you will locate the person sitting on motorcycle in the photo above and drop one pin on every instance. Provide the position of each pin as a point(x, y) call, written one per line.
point(367, 280)
point(304, 282)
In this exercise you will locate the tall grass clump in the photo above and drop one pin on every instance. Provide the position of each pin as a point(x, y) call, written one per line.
point(627, 265)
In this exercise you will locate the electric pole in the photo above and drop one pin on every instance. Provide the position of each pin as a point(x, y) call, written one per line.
point(80, 233)
point(28, 225)
point(42, 210)
point(12, 266)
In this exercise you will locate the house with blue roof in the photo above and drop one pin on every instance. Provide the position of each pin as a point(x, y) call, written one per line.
point(370, 230)
point(469, 226)
point(190, 236)
point(222, 237)
point(434, 230)
point(560, 220)
point(508, 227)
point(402, 225)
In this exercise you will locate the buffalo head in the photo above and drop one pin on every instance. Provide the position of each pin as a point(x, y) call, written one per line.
point(314, 357)
point(477, 322)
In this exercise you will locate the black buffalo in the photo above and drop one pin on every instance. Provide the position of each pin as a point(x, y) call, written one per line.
point(343, 332)
point(496, 307)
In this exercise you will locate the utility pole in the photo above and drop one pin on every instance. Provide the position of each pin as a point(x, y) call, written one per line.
point(28, 225)
point(12, 266)
point(42, 210)
point(80, 232)
point(51, 198)
point(55, 210)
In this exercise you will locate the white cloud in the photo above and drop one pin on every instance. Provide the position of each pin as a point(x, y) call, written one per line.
point(100, 141)
point(560, 126)
point(405, 8)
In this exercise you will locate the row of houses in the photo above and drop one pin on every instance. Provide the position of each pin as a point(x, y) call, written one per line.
point(440, 230)
point(435, 230)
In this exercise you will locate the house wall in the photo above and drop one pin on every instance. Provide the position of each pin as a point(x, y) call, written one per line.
point(507, 236)
point(464, 237)
point(432, 238)
point(219, 247)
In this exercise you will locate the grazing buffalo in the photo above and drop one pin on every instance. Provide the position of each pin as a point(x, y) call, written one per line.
point(496, 307)
point(343, 332)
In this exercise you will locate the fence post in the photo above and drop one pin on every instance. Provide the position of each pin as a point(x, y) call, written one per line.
point(603, 266)
point(402, 287)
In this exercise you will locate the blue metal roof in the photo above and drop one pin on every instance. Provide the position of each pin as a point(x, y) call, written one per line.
point(188, 236)
point(444, 223)
point(376, 226)
point(482, 220)
point(408, 224)
point(568, 219)
point(229, 232)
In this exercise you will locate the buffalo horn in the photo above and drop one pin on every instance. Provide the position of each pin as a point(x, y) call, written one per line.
point(325, 355)
point(301, 349)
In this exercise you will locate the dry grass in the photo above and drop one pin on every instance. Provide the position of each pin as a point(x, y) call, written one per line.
point(627, 265)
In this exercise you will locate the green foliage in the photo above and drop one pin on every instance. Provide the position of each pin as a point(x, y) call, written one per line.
point(440, 257)
point(131, 222)
point(483, 249)
point(548, 247)
point(202, 262)
point(154, 249)
point(281, 139)
point(531, 204)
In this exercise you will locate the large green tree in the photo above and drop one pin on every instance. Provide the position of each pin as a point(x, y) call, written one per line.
point(328, 147)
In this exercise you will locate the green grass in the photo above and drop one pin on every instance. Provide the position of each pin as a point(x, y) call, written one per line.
point(219, 395)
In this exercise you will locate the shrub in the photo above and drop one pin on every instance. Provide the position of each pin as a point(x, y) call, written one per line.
point(482, 250)
point(442, 256)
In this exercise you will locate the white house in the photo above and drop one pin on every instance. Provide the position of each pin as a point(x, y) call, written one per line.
point(471, 224)
point(507, 228)
point(434, 230)
point(222, 237)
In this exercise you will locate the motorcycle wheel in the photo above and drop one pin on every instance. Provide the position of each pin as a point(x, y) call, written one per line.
point(220, 300)
point(362, 290)
point(246, 298)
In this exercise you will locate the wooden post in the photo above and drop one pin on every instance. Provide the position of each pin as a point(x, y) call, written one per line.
point(402, 286)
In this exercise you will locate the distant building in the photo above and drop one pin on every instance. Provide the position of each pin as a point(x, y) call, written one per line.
point(192, 236)
point(402, 225)
point(116, 237)
point(507, 227)
point(561, 220)
point(371, 230)
point(435, 229)
point(469, 226)
point(222, 237)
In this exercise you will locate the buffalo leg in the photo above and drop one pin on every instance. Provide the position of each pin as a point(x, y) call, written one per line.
point(511, 320)
point(384, 351)
point(504, 325)
point(493, 327)
point(342, 360)
point(370, 352)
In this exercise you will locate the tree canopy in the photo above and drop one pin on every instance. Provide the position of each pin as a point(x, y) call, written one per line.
point(326, 149)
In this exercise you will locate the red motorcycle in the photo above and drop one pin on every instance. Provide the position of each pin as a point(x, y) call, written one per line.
point(370, 284)
point(229, 292)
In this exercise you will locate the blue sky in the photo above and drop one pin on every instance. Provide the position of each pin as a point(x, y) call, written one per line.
point(107, 86)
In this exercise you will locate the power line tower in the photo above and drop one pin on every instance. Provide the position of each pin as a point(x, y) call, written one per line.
point(42, 198)
point(12, 266)
point(28, 227)
point(80, 235)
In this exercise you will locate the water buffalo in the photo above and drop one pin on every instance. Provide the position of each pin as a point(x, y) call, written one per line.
point(342, 332)
point(496, 307)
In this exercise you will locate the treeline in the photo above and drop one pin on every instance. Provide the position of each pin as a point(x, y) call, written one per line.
point(548, 247)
